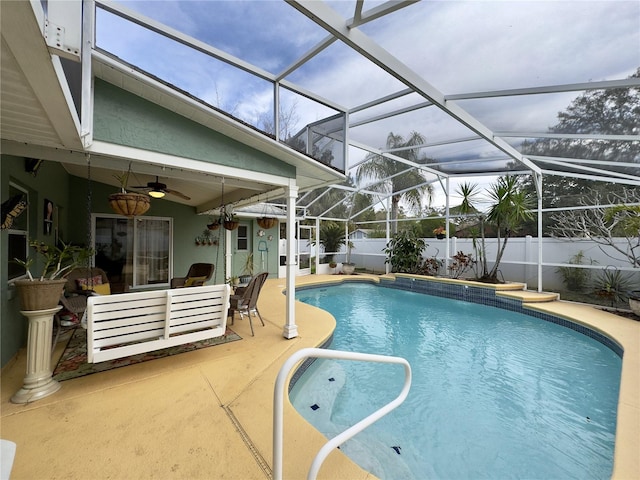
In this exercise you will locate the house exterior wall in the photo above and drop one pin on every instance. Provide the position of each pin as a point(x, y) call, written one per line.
point(52, 183)
point(126, 119)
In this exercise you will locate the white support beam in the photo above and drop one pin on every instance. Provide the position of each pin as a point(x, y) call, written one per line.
point(63, 29)
point(570, 136)
point(583, 161)
point(290, 328)
point(377, 12)
point(335, 24)
point(187, 40)
point(571, 87)
point(87, 90)
point(595, 178)
point(596, 171)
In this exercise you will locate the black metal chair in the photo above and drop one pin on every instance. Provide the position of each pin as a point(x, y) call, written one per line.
point(247, 302)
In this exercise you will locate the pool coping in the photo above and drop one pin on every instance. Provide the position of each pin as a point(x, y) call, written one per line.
point(623, 335)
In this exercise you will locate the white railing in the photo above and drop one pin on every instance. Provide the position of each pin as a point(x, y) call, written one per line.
point(278, 404)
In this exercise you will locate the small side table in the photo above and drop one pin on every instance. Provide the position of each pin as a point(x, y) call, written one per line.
point(38, 382)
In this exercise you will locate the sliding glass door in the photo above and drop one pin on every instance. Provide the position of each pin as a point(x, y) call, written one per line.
point(133, 252)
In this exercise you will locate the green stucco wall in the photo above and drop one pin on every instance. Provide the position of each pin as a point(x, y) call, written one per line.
point(126, 119)
point(52, 183)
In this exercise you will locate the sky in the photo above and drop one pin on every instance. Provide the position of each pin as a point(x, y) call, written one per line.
point(454, 46)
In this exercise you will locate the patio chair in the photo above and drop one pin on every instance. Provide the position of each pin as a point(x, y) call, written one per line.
point(247, 302)
point(82, 282)
point(198, 275)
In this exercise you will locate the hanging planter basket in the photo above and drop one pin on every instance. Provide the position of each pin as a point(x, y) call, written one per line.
point(214, 226)
point(39, 294)
point(267, 222)
point(231, 224)
point(129, 204)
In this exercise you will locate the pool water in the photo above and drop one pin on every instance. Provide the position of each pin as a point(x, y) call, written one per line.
point(495, 394)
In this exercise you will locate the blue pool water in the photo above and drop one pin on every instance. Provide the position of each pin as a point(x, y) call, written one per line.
point(495, 394)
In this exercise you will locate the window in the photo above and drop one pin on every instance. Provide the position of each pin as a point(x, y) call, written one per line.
point(133, 252)
point(242, 243)
point(18, 235)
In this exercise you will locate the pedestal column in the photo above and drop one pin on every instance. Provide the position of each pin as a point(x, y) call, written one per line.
point(38, 382)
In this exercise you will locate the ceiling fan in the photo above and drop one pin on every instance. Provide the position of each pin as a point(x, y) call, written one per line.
point(158, 190)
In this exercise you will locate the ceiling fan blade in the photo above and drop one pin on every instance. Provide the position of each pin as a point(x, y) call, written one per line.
point(177, 194)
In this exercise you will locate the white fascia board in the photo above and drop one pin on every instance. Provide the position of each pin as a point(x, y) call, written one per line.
point(155, 158)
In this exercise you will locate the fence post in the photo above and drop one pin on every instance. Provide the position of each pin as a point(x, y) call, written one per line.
point(527, 257)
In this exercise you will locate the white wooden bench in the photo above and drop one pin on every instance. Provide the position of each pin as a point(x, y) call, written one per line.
point(130, 323)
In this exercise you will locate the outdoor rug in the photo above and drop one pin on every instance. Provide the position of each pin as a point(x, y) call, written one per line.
point(73, 362)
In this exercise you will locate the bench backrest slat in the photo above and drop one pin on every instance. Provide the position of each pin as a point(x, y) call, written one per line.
point(117, 322)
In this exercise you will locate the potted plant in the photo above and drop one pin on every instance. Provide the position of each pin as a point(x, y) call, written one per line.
point(230, 222)
point(126, 203)
point(214, 224)
point(43, 291)
point(39, 298)
point(234, 281)
point(267, 222)
point(439, 232)
point(349, 267)
point(247, 269)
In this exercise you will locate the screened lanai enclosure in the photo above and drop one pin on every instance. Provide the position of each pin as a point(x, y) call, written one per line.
point(512, 121)
point(428, 107)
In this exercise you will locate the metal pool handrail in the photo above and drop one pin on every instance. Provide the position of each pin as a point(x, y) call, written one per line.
point(278, 404)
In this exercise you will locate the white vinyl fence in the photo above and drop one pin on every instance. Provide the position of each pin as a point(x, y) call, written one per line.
point(520, 260)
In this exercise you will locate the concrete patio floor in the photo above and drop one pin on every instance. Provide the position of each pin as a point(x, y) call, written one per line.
point(208, 413)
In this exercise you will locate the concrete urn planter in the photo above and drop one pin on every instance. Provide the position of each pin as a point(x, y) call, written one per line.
point(348, 268)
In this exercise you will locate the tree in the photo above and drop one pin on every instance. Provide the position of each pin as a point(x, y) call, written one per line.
point(397, 178)
point(603, 224)
point(510, 208)
point(332, 237)
point(605, 111)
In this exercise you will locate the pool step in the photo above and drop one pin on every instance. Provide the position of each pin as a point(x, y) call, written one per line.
point(527, 296)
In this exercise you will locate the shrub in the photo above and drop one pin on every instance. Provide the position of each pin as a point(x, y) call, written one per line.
point(404, 252)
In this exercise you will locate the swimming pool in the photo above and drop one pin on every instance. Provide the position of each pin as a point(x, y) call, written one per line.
point(495, 394)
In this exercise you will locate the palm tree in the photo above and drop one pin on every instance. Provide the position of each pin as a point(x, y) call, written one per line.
point(332, 237)
point(469, 193)
point(396, 177)
point(510, 208)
